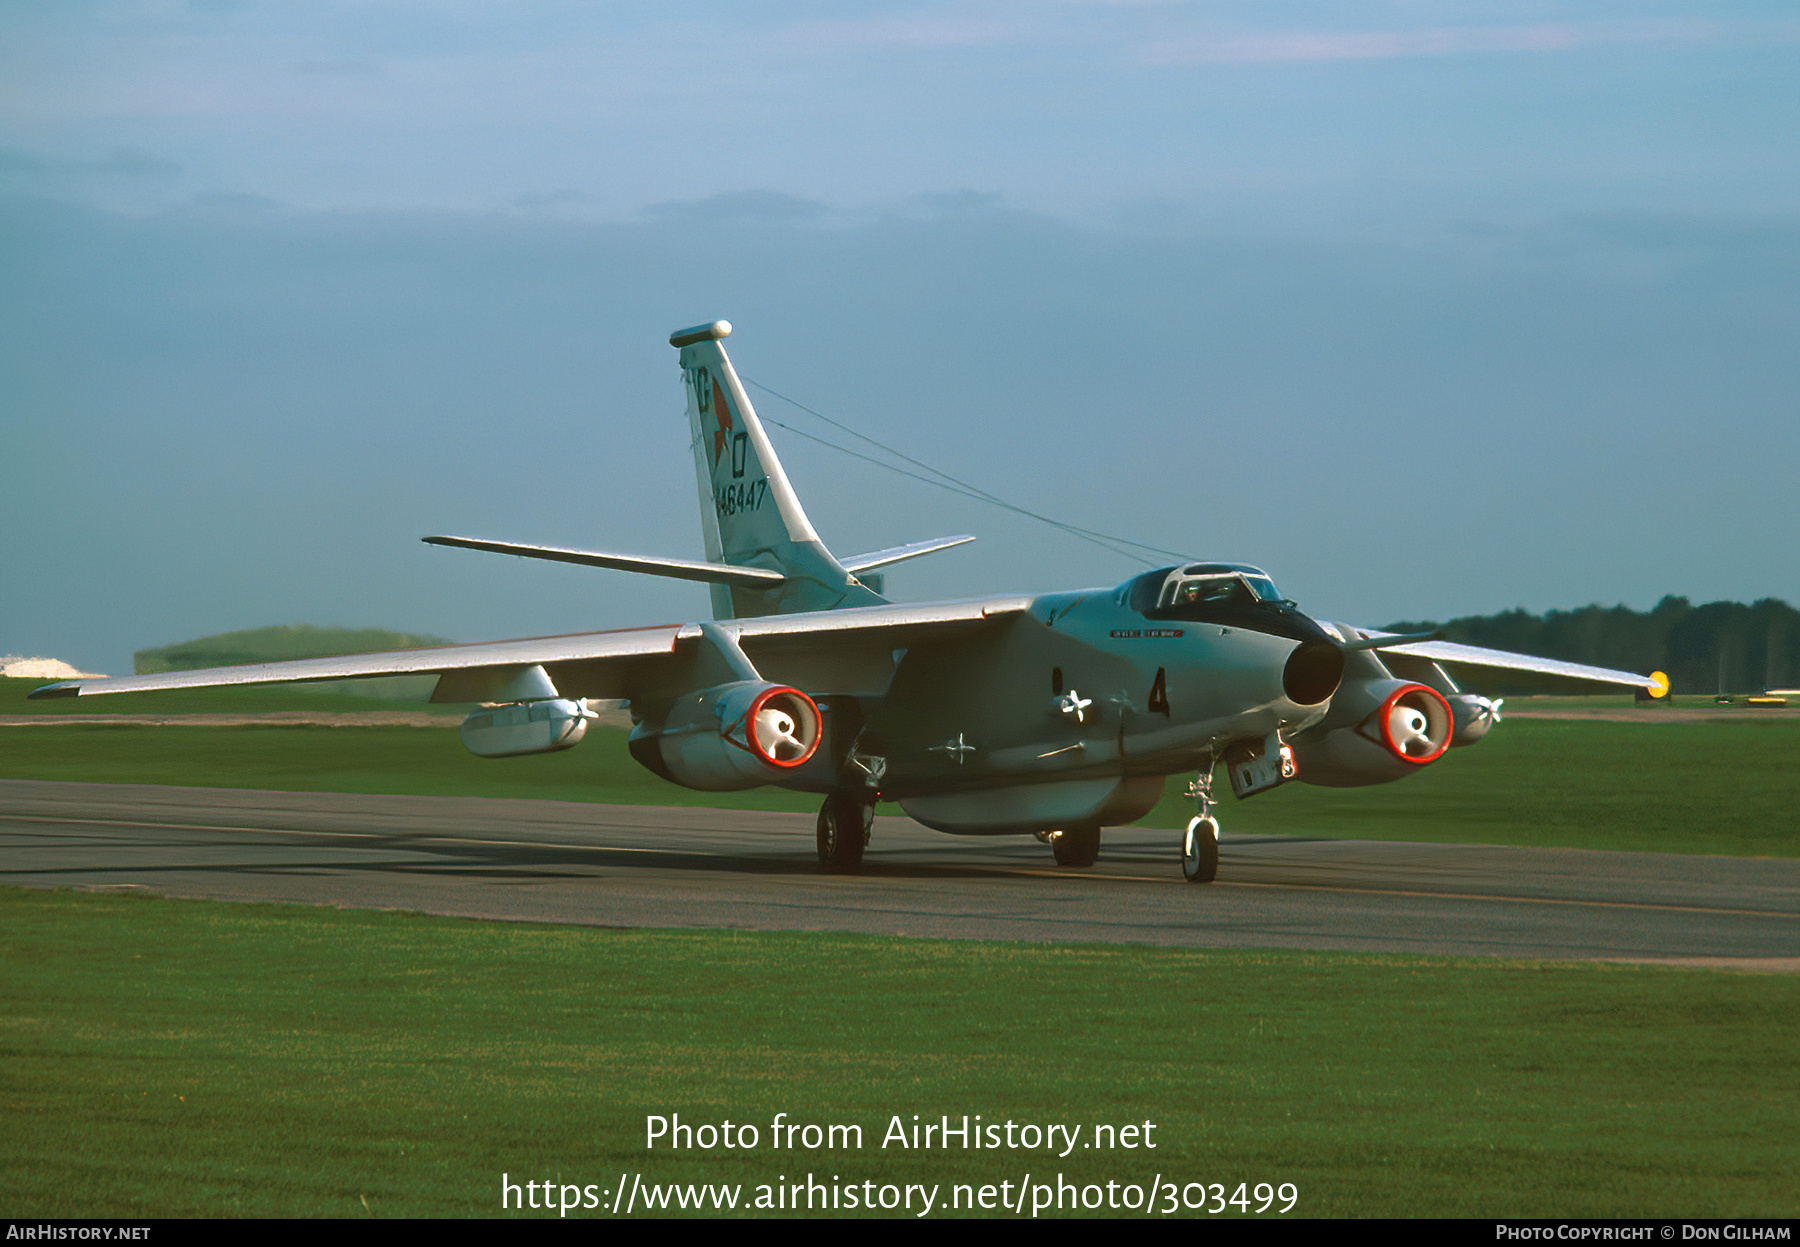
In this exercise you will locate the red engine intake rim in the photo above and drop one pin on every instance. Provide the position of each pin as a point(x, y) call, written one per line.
point(1387, 736)
point(756, 746)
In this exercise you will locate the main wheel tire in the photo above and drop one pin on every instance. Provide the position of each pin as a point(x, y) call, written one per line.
point(1076, 846)
point(844, 826)
point(1200, 851)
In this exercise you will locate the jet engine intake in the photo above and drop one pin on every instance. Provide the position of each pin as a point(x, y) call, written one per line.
point(731, 736)
point(1312, 672)
point(1414, 724)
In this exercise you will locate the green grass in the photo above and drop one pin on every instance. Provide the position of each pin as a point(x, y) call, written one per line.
point(416, 761)
point(164, 1058)
point(1728, 788)
point(1695, 787)
point(177, 1058)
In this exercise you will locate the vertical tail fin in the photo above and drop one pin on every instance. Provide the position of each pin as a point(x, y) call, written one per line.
point(749, 513)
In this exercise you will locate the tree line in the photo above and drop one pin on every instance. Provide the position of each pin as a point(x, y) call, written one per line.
point(276, 644)
point(1720, 647)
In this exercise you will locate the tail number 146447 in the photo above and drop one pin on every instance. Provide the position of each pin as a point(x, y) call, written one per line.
point(740, 496)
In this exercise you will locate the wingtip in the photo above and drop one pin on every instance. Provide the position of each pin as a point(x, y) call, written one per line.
point(68, 688)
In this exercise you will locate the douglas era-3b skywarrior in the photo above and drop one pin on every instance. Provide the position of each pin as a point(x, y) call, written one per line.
point(1054, 715)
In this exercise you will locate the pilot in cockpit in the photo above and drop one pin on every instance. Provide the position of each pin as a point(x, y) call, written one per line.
point(1212, 590)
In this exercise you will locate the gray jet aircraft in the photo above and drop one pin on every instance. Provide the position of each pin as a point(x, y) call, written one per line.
point(1055, 715)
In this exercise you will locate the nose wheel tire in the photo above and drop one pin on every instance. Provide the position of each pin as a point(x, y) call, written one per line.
point(1200, 851)
point(1076, 846)
point(844, 827)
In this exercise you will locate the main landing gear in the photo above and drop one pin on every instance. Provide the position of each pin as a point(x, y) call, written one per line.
point(1073, 846)
point(1200, 842)
point(845, 822)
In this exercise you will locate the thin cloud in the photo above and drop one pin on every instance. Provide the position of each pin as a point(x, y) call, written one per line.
point(905, 32)
point(1318, 45)
point(565, 197)
point(959, 202)
point(335, 69)
point(129, 162)
point(757, 205)
point(126, 163)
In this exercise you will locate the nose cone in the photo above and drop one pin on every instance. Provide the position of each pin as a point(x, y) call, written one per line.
point(1313, 672)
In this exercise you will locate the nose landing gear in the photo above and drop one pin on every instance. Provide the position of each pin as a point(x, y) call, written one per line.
point(1200, 842)
point(1200, 850)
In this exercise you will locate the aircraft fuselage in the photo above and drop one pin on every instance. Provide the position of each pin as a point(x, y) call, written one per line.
point(1078, 687)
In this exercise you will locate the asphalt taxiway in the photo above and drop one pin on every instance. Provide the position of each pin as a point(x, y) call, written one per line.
point(647, 866)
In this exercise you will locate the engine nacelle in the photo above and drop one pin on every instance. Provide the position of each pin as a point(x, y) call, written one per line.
point(525, 727)
point(1410, 726)
point(732, 736)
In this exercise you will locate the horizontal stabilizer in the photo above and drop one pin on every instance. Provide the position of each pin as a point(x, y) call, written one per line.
point(679, 569)
point(881, 558)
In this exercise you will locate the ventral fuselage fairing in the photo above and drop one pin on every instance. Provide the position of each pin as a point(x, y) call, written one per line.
point(1057, 714)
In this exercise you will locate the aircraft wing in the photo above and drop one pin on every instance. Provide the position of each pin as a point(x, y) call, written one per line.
point(1477, 656)
point(585, 664)
point(528, 651)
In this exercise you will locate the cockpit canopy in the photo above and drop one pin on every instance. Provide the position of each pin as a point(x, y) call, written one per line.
point(1198, 591)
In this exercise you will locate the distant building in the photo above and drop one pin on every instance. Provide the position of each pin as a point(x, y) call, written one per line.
point(16, 668)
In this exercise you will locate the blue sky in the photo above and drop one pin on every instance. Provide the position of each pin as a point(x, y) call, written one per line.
point(1428, 308)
